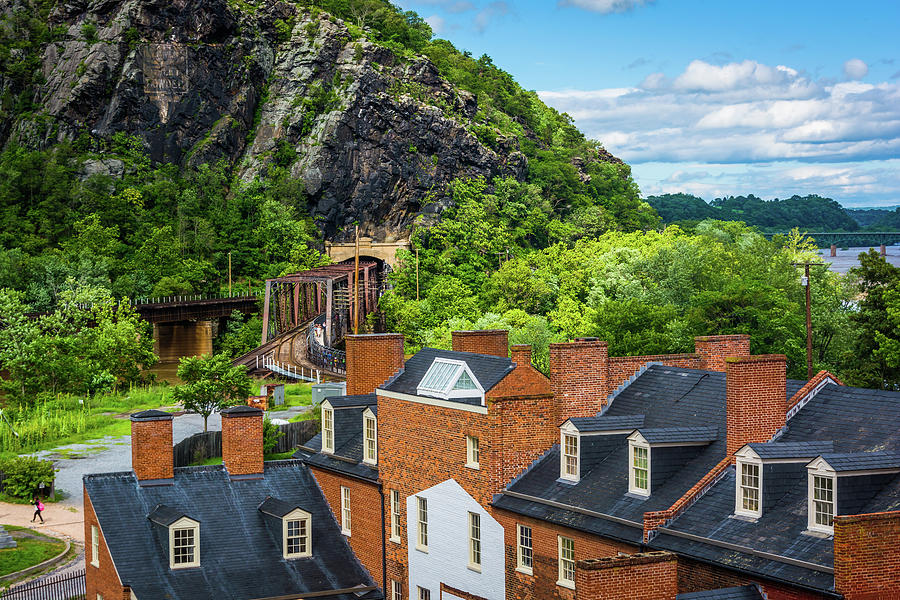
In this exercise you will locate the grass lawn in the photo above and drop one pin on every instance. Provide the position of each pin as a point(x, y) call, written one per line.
point(30, 550)
point(295, 394)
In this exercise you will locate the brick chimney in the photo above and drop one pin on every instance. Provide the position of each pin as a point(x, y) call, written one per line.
point(486, 341)
point(578, 376)
point(645, 576)
point(242, 442)
point(714, 349)
point(371, 360)
point(866, 564)
point(151, 445)
point(521, 354)
point(755, 398)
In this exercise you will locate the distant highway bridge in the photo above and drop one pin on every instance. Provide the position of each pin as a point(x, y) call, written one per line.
point(825, 239)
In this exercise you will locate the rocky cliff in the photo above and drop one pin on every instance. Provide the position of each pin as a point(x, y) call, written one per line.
point(374, 136)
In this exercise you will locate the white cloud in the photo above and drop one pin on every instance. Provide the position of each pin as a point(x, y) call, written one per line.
point(489, 13)
point(437, 23)
point(606, 6)
point(855, 69)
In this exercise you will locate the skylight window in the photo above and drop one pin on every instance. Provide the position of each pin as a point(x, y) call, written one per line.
point(448, 378)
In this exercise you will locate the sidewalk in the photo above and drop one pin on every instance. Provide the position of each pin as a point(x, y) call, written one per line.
point(59, 520)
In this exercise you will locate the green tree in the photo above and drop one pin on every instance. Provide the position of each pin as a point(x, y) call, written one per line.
point(211, 383)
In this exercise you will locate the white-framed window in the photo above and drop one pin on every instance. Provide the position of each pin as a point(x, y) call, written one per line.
point(566, 562)
point(475, 541)
point(327, 427)
point(370, 438)
point(95, 546)
point(297, 534)
point(569, 454)
point(421, 524)
point(99, 596)
point(473, 452)
point(424, 593)
point(396, 590)
point(524, 550)
point(638, 467)
point(395, 517)
point(184, 544)
point(748, 491)
point(346, 521)
point(822, 501)
point(447, 378)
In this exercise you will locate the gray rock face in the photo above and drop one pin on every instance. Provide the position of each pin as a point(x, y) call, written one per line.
point(374, 137)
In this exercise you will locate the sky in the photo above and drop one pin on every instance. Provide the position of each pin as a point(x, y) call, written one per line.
point(710, 97)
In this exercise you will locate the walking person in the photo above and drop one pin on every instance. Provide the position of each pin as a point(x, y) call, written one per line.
point(38, 508)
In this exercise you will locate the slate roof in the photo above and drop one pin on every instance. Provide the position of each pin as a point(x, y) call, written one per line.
point(745, 592)
point(797, 450)
point(487, 369)
point(674, 435)
point(847, 420)
point(606, 423)
point(165, 515)
point(240, 549)
point(348, 439)
point(667, 397)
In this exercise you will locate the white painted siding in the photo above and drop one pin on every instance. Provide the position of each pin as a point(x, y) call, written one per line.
point(447, 558)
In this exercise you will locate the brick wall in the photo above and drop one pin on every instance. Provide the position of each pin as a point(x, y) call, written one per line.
point(242, 440)
point(755, 402)
point(151, 447)
point(694, 576)
point(714, 349)
point(645, 576)
point(102, 579)
point(866, 562)
point(371, 360)
point(486, 341)
point(578, 377)
point(541, 585)
point(365, 515)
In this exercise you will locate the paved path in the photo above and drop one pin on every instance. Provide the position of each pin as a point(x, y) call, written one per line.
point(59, 520)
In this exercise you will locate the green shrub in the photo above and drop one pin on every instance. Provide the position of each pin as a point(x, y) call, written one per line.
point(271, 435)
point(89, 31)
point(25, 474)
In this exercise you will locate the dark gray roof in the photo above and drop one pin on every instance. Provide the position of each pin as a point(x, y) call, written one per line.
point(151, 415)
point(607, 423)
point(348, 439)
point(487, 369)
point(242, 409)
point(775, 450)
point(674, 435)
point(745, 592)
point(240, 549)
point(863, 461)
point(277, 508)
point(352, 401)
point(165, 515)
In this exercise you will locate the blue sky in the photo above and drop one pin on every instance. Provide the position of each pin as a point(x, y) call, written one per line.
point(714, 97)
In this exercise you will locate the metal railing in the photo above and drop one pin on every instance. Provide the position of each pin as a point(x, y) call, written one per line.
point(291, 371)
point(326, 357)
point(180, 299)
point(67, 586)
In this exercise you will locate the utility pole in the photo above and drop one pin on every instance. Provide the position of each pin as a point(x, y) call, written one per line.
point(356, 286)
point(417, 273)
point(805, 282)
point(229, 274)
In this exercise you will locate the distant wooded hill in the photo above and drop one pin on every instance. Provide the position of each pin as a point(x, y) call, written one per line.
point(811, 213)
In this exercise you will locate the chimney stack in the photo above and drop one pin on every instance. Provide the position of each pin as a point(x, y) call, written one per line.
point(242, 442)
point(755, 398)
point(578, 376)
point(486, 341)
point(371, 360)
point(644, 576)
point(151, 445)
point(714, 349)
point(521, 354)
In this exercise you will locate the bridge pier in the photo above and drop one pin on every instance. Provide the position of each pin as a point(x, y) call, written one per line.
point(833, 250)
point(883, 250)
point(171, 341)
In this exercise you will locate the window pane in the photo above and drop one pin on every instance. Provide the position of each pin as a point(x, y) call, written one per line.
point(823, 500)
point(640, 463)
point(525, 549)
point(475, 538)
point(750, 487)
point(327, 429)
point(423, 522)
point(465, 382)
point(571, 455)
point(183, 546)
point(566, 559)
point(395, 513)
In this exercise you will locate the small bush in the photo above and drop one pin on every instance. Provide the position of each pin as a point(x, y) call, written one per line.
point(25, 474)
point(271, 434)
point(89, 31)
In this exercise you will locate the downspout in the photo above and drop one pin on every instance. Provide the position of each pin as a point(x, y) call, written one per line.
point(383, 546)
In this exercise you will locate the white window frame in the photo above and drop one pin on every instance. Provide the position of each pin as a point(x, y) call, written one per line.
point(421, 524)
point(296, 515)
point(396, 516)
point(747, 458)
point(475, 556)
point(346, 514)
point(95, 546)
point(568, 431)
point(327, 427)
point(521, 567)
point(182, 524)
point(473, 452)
point(447, 392)
point(820, 468)
point(562, 562)
point(637, 441)
point(396, 590)
point(370, 443)
point(424, 593)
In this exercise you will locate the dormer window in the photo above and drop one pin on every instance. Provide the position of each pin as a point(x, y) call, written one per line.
point(184, 544)
point(569, 453)
point(821, 496)
point(370, 437)
point(448, 379)
point(297, 534)
point(639, 466)
point(748, 500)
point(327, 427)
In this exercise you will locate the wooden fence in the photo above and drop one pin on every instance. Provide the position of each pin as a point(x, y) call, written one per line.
point(201, 446)
point(68, 586)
